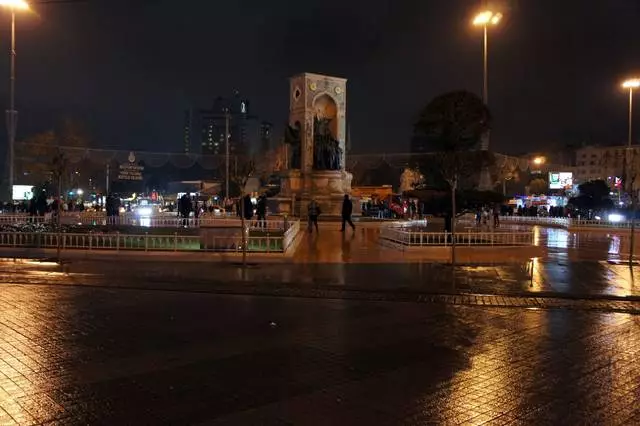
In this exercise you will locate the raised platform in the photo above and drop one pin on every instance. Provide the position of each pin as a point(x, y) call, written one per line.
point(327, 187)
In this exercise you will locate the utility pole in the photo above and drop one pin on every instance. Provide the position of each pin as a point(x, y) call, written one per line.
point(226, 142)
point(12, 114)
point(108, 179)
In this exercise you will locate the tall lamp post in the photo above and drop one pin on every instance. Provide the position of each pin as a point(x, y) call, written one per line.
point(631, 84)
point(12, 114)
point(485, 19)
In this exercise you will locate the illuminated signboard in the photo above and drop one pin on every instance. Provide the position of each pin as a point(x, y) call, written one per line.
point(22, 192)
point(560, 180)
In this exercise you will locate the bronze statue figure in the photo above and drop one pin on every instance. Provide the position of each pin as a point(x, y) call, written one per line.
point(293, 138)
point(326, 149)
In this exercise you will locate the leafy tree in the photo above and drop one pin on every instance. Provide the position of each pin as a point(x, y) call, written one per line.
point(593, 195)
point(35, 155)
point(453, 124)
point(538, 186)
point(597, 190)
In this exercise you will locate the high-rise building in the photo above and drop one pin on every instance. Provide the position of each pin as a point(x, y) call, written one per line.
point(244, 128)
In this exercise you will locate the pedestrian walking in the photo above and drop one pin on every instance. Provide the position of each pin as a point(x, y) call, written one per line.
point(313, 211)
point(261, 211)
point(347, 211)
point(247, 207)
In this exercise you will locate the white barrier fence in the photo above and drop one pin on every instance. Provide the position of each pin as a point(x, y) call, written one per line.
point(267, 243)
point(566, 222)
point(407, 237)
point(160, 221)
point(534, 220)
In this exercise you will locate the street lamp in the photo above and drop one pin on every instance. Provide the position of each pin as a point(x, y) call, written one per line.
point(485, 19)
point(631, 84)
point(539, 161)
point(12, 114)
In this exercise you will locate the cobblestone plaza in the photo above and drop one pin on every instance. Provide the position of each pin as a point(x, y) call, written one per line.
point(325, 339)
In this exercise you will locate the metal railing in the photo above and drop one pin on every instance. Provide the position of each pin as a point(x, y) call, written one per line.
point(578, 223)
point(278, 243)
point(22, 218)
point(566, 222)
point(159, 221)
point(469, 238)
point(535, 220)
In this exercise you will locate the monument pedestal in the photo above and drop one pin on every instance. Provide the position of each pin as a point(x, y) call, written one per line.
point(327, 187)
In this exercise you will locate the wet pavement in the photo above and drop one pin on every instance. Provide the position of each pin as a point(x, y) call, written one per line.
point(78, 355)
point(337, 341)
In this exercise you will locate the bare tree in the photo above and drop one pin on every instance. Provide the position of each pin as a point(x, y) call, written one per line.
point(244, 172)
point(454, 123)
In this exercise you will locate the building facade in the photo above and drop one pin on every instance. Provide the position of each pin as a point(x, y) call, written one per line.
point(246, 132)
point(602, 163)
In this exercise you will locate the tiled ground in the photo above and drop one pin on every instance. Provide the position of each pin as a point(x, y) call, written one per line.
point(85, 355)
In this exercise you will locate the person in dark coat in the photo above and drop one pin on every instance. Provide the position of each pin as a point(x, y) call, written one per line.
point(247, 207)
point(347, 211)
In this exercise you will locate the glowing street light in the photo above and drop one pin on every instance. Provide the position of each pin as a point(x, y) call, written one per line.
point(634, 83)
point(539, 161)
point(12, 114)
point(15, 4)
point(485, 19)
point(631, 84)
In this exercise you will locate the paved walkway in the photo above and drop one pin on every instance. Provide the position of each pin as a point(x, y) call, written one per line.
point(191, 342)
point(364, 246)
point(74, 355)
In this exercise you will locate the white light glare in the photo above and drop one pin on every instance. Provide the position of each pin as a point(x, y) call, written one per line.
point(615, 218)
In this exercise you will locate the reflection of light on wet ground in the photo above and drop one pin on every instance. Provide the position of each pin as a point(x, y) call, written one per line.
point(23, 360)
point(620, 279)
point(557, 238)
point(41, 263)
point(536, 277)
point(494, 380)
point(614, 245)
point(536, 236)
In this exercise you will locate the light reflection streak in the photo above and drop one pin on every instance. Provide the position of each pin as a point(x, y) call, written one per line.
point(537, 278)
point(494, 375)
point(614, 245)
point(557, 238)
point(24, 324)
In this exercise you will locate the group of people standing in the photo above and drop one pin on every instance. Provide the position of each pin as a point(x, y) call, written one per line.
point(484, 215)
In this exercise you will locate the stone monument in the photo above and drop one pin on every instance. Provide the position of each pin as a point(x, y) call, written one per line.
point(316, 140)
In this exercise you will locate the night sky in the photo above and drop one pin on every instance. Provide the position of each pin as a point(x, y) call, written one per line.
point(128, 68)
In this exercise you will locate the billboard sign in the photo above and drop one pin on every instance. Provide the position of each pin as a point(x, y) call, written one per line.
point(131, 170)
point(22, 192)
point(560, 180)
